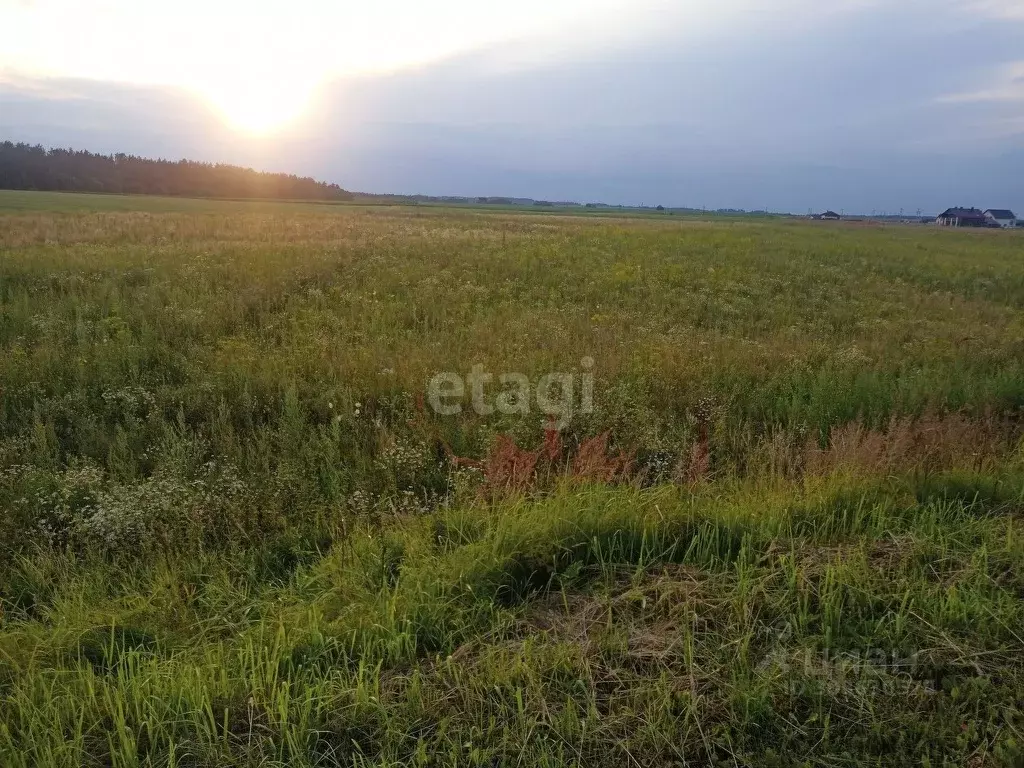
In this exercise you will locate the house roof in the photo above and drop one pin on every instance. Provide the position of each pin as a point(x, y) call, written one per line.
point(1000, 213)
point(962, 213)
point(831, 214)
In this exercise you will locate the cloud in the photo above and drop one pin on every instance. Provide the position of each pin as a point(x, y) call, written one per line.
point(1000, 9)
point(858, 105)
point(1005, 84)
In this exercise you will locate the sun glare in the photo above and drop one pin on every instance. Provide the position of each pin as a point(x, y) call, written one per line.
point(260, 105)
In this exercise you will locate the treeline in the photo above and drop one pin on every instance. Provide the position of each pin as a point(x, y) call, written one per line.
point(28, 167)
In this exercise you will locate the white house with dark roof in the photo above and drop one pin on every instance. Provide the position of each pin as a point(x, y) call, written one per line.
point(1001, 217)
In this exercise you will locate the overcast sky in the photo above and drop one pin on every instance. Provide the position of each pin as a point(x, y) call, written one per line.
point(853, 104)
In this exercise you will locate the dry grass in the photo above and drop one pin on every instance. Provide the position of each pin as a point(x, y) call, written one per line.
point(509, 470)
point(928, 442)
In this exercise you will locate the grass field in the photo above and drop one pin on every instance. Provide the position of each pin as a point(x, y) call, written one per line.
point(236, 532)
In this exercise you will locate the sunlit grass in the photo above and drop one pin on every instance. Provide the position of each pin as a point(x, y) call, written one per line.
point(232, 535)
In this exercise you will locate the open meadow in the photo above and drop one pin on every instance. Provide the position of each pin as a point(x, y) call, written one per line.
point(769, 511)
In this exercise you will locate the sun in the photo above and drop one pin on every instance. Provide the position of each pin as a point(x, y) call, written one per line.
point(260, 105)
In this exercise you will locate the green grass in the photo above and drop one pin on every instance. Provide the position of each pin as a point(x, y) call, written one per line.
point(232, 536)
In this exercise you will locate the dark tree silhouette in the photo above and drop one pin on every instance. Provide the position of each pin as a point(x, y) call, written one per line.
point(23, 166)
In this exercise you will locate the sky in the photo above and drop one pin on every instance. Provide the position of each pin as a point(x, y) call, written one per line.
point(790, 105)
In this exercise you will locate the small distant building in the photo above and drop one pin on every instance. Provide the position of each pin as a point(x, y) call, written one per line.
point(828, 216)
point(962, 217)
point(1001, 217)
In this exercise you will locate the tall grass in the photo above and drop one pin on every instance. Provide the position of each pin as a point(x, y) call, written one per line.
point(233, 535)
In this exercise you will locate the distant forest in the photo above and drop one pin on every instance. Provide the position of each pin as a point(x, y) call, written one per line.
point(28, 167)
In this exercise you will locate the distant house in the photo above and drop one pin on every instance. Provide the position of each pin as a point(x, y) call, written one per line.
point(962, 217)
point(1001, 217)
point(830, 216)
